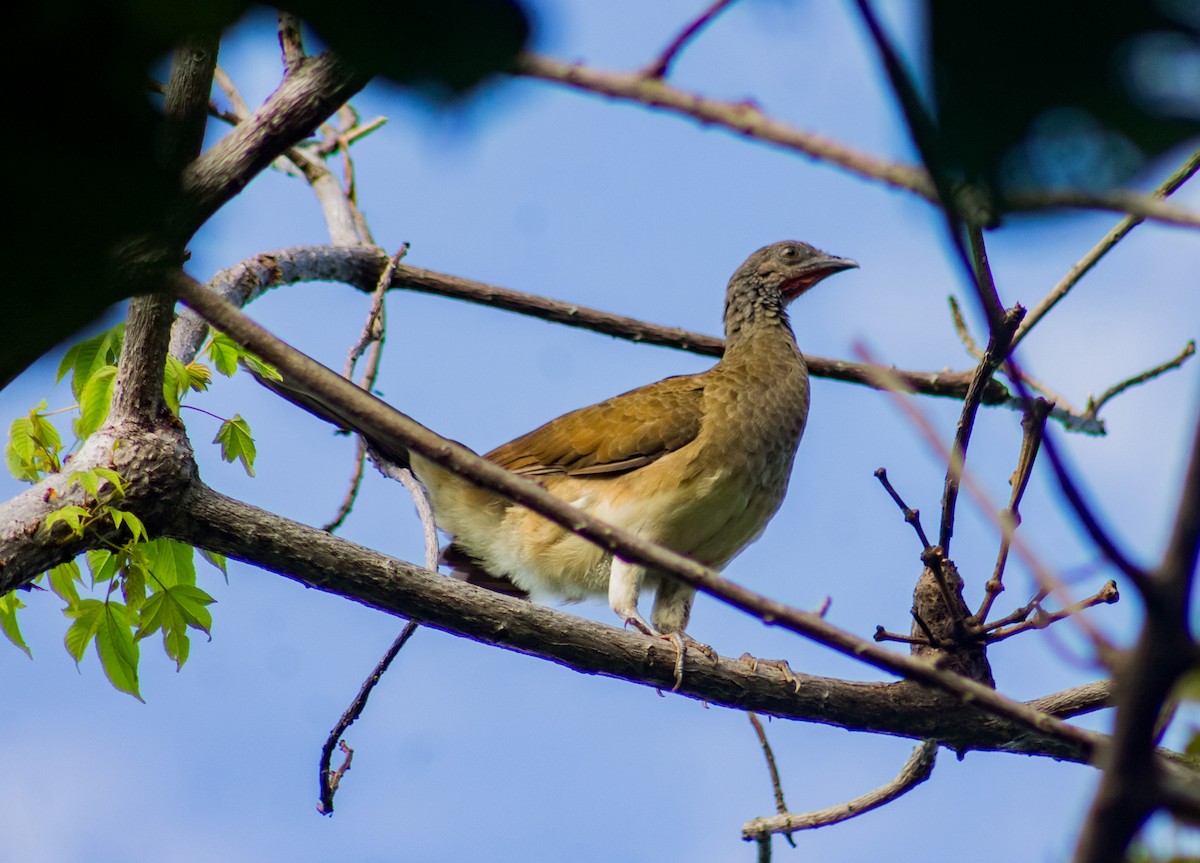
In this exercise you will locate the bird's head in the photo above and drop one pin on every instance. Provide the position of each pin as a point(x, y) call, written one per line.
point(790, 267)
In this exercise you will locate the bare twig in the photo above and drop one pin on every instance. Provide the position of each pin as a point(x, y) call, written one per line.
point(1077, 700)
point(1082, 509)
point(772, 768)
point(327, 781)
point(1094, 405)
point(1046, 580)
point(1062, 410)
point(912, 516)
point(997, 349)
point(882, 634)
point(658, 68)
point(1118, 233)
point(915, 771)
point(1041, 619)
point(1033, 425)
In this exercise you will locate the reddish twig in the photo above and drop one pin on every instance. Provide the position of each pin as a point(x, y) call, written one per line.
point(658, 69)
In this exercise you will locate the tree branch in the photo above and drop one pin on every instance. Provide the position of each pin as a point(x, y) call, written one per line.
point(360, 267)
point(1102, 248)
point(341, 401)
point(331, 564)
point(660, 66)
point(915, 771)
point(312, 93)
point(742, 118)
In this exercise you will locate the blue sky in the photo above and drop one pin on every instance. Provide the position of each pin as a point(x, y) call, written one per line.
point(475, 753)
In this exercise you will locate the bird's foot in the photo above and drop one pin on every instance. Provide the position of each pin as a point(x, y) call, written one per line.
point(679, 640)
point(781, 665)
point(682, 643)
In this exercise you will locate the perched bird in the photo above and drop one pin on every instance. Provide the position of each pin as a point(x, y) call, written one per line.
point(698, 463)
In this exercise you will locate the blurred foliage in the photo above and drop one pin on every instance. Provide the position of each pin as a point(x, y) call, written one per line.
point(1031, 94)
point(87, 175)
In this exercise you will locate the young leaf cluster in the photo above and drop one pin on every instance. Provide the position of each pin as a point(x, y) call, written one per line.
point(139, 586)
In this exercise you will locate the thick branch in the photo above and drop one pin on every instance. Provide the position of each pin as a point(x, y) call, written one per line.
point(329, 563)
point(747, 120)
point(390, 429)
point(361, 268)
point(306, 98)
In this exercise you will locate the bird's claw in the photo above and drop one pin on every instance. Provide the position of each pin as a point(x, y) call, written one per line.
point(781, 665)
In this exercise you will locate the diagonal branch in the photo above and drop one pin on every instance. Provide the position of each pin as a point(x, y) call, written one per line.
point(391, 430)
point(742, 118)
point(660, 66)
point(326, 562)
point(1102, 248)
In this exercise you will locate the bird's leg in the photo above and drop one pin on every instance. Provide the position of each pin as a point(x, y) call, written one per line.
point(624, 587)
point(672, 610)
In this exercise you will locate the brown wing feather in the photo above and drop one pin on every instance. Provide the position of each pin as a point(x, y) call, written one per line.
point(612, 437)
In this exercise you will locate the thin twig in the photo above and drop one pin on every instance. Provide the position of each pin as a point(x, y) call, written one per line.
point(1082, 509)
point(882, 634)
point(772, 768)
point(1045, 579)
point(1063, 410)
point(1002, 323)
point(1094, 405)
point(1118, 233)
point(356, 478)
point(1107, 595)
point(915, 771)
point(1033, 425)
point(997, 349)
point(912, 516)
point(658, 69)
point(327, 788)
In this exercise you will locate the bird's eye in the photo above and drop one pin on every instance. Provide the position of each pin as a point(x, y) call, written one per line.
point(789, 252)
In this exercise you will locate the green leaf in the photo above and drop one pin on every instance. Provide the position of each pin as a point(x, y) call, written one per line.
point(236, 442)
point(117, 649)
point(62, 581)
point(199, 376)
point(133, 585)
point(104, 565)
point(33, 446)
point(260, 368)
point(72, 516)
point(9, 603)
point(217, 560)
point(175, 383)
point(173, 610)
point(90, 356)
point(170, 562)
point(120, 517)
point(94, 401)
point(224, 352)
point(87, 614)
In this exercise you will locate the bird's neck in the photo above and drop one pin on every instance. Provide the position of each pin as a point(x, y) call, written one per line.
point(754, 326)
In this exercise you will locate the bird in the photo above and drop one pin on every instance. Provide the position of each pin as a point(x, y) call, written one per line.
point(698, 463)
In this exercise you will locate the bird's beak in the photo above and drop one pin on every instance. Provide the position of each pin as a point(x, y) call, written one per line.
point(820, 268)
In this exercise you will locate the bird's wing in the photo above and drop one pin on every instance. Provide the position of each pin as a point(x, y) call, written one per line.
point(613, 437)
